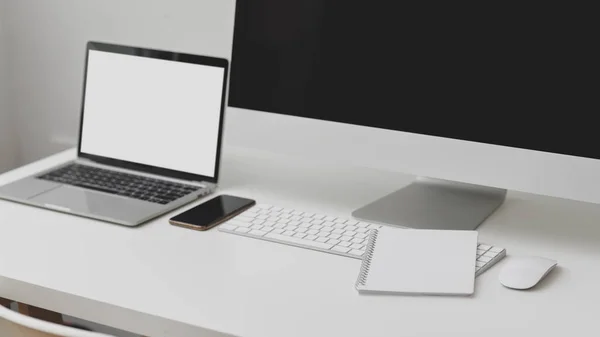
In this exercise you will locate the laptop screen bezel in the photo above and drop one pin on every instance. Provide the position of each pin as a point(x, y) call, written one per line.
point(163, 55)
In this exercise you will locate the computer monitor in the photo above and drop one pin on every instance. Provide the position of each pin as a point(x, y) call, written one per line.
point(473, 102)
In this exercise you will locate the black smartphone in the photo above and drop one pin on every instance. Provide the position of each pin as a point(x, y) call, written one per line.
point(212, 212)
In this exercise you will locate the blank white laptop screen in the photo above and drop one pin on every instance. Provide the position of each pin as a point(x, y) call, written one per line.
point(154, 112)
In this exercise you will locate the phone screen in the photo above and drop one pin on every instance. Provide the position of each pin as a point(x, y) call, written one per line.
point(208, 213)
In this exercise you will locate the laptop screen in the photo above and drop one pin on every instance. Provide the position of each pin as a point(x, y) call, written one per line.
point(155, 112)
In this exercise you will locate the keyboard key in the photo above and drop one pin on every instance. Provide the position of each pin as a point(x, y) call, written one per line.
point(346, 238)
point(357, 240)
point(306, 219)
point(344, 244)
point(257, 232)
point(321, 239)
point(317, 227)
point(338, 220)
point(294, 223)
point(258, 222)
point(319, 216)
point(280, 225)
point(339, 225)
point(356, 246)
point(301, 230)
point(296, 218)
point(334, 236)
point(330, 218)
point(357, 252)
point(338, 231)
point(328, 224)
point(351, 228)
point(484, 247)
point(297, 213)
point(490, 254)
point(310, 237)
point(291, 228)
point(484, 259)
point(312, 232)
point(350, 233)
point(333, 241)
point(361, 230)
point(267, 229)
point(269, 223)
point(363, 224)
point(352, 222)
point(244, 218)
point(303, 242)
point(361, 235)
point(496, 250)
point(299, 235)
point(317, 222)
point(326, 229)
point(304, 225)
point(341, 249)
point(263, 217)
point(277, 231)
point(250, 214)
point(323, 234)
point(242, 229)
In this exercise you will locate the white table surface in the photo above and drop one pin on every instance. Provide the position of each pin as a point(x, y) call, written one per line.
point(160, 280)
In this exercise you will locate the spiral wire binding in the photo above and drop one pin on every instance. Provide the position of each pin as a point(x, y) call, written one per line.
point(366, 263)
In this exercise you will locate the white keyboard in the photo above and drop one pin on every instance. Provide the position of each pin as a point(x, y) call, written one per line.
point(324, 233)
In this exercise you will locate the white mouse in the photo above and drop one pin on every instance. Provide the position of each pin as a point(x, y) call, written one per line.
point(525, 272)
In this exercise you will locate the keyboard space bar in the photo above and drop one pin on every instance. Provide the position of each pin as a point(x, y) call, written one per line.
point(95, 188)
point(297, 241)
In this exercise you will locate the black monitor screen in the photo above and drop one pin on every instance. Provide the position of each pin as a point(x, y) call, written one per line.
point(517, 77)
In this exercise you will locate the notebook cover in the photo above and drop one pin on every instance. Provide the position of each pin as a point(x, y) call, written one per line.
point(419, 262)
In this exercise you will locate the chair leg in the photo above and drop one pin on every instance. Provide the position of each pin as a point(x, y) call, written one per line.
point(4, 302)
point(39, 313)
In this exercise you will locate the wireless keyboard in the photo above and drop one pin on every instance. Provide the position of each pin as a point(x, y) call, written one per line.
point(323, 233)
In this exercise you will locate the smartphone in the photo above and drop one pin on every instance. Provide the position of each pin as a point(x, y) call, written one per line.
point(212, 212)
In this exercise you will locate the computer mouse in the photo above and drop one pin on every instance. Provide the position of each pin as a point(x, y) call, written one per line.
point(525, 272)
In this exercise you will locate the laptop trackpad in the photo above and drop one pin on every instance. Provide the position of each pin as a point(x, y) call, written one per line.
point(95, 203)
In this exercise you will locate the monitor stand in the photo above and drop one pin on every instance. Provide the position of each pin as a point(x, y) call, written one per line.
point(434, 204)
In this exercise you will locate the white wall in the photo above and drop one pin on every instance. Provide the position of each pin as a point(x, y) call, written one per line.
point(7, 136)
point(46, 41)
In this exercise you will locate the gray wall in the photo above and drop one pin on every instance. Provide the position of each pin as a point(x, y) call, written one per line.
point(7, 136)
point(46, 41)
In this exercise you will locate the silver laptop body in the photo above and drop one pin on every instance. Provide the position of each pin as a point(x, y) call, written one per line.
point(149, 141)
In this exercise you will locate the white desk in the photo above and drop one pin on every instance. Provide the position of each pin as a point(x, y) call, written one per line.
point(160, 280)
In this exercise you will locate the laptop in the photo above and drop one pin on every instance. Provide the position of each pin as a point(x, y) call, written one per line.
point(149, 140)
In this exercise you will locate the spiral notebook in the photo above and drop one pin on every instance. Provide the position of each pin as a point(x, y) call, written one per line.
point(419, 262)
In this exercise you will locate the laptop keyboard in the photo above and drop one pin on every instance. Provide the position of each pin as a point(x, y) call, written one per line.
point(119, 183)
